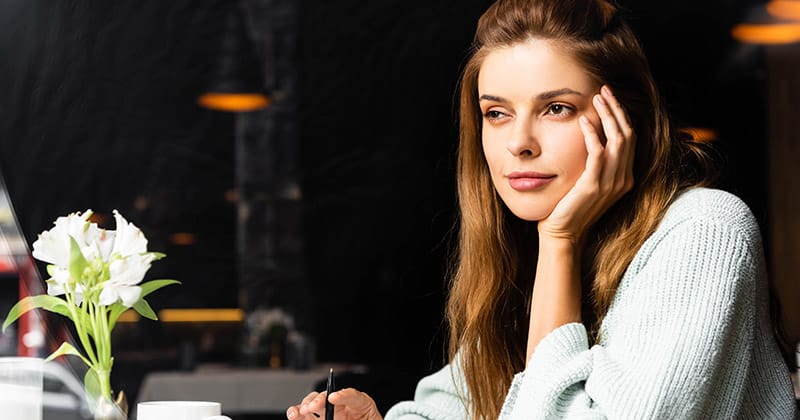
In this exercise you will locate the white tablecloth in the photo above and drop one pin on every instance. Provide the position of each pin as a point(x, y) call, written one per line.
point(240, 390)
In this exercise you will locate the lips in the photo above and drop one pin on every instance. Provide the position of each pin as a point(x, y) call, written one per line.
point(528, 181)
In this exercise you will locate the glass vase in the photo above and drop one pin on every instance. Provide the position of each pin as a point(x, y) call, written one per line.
point(112, 410)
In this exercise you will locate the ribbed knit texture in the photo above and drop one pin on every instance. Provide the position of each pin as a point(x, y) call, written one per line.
point(687, 336)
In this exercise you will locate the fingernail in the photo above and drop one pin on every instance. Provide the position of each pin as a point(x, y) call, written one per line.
point(605, 90)
point(315, 415)
point(290, 414)
point(584, 120)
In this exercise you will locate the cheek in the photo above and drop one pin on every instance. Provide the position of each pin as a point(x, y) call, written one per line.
point(491, 153)
point(572, 152)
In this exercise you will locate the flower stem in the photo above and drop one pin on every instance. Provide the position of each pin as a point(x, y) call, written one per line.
point(87, 348)
point(104, 377)
point(103, 341)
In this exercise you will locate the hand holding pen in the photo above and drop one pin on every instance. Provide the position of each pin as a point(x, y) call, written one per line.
point(329, 408)
point(345, 404)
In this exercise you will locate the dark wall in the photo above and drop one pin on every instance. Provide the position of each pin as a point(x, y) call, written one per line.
point(378, 136)
point(98, 112)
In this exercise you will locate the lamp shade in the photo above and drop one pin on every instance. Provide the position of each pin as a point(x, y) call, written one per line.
point(236, 82)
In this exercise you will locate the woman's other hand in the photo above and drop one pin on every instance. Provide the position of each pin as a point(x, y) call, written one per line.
point(607, 177)
point(349, 404)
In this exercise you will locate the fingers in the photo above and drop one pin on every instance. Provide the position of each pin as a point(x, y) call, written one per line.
point(354, 403)
point(628, 134)
point(617, 172)
point(311, 408)
point(309, 397)
point(594, 163)
point(352, 397)
point(618, 111)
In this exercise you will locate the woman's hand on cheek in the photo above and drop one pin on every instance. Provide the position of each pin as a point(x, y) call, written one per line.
point(608, 174)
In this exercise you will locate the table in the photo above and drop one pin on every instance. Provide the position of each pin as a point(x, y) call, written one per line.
point(240, 390)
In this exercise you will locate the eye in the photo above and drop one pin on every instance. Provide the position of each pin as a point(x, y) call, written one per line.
point(493, 115)
point(559, 110)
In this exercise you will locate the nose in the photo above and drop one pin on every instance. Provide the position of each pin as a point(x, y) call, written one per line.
point(523, 139)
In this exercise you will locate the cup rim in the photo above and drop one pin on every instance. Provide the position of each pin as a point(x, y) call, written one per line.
point(181, 402)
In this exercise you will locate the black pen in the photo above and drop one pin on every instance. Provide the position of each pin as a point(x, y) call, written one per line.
point(328, 405)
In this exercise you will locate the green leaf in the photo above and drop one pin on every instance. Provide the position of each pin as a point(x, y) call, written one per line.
point(67, 349)
point(76, 261)
point(91, 382)
point(46, 302)
point(153, 285)
point(116, 309)
point(144, 309)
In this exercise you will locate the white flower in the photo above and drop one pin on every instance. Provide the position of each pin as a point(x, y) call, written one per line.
point(100, 272)
point(123, 252)
point(53, 246)
point(126, 274)
point(129, 262)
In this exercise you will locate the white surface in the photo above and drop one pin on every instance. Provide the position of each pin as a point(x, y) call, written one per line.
point(179, 410)
point(21, 388)
point(20, 402)
point(240, 390)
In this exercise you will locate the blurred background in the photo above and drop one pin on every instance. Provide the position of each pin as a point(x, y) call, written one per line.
point(311, 220)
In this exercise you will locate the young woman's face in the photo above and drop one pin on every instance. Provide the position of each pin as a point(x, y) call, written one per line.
point(531, 96)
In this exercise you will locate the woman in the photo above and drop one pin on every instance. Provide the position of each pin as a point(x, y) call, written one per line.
point(592, 259)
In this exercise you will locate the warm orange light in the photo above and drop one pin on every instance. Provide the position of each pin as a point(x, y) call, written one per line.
point(201, 315)
point(232, 195)
point(784, 9)
point(129, 316)
point(775, 33)
point(233, 102)
point(701, 135)
point(183, 238)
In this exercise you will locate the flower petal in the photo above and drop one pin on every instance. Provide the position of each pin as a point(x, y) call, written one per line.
point(55, 289)
point(105, 243)
point(129, 270)
point(129, 295)
point(52, 247)
point(61, 275)
point(108, 295)
point(129, 239)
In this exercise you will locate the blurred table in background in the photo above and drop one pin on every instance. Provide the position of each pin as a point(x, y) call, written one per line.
point(240, 390)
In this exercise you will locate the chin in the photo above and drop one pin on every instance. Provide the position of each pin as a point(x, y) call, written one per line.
point(530, 214)
point(530, 207)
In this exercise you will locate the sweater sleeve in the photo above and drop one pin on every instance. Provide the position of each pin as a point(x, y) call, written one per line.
point(437, 397)
point(674, 344)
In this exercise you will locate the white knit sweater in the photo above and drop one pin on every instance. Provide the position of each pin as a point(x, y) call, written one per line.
point(687, 336)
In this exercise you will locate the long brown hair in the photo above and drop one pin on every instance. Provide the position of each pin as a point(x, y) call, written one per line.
point(491, 284)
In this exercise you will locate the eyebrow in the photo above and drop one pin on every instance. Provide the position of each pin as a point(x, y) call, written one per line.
point(555, 93)
point(542, 96)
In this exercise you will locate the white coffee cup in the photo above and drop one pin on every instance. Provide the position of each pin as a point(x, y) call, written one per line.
point(180, 410)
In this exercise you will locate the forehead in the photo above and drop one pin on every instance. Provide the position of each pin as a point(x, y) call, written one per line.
point(531, 67)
